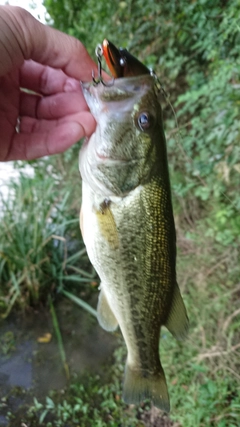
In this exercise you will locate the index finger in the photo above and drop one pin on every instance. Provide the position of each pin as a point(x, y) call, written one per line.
point(32, 40)
point(46, 80)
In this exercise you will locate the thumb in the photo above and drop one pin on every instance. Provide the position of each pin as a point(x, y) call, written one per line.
point(23, 37)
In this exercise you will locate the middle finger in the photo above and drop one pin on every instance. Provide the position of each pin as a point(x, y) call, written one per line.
point(51, 107)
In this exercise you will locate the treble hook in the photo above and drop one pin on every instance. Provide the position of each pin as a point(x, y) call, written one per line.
point(99, 54)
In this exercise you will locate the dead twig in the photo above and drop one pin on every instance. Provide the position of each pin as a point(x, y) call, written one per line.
point(232, 291)
point(220, 417)
point(229, 319)
point(218, 353)
point(215, 266)
point(233, 372)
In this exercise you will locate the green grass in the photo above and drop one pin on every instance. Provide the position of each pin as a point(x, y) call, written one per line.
point(203, 371)
point(7, 343)
point(41, 249)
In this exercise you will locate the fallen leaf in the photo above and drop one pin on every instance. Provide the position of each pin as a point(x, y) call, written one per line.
point(44, 339)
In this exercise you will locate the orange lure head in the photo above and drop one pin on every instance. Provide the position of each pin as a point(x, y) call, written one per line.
point(121, 63)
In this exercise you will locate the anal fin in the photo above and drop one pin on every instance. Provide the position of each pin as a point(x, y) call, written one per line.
point(105, 316)
point(177, 321)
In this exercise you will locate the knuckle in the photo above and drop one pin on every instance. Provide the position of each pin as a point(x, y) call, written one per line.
point(51, 108)
point(44, 80)
point(29, 125)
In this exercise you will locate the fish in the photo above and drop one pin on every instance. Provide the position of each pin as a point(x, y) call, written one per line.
point(128, 228)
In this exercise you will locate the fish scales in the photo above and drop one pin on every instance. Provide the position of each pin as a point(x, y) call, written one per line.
point(128, 229)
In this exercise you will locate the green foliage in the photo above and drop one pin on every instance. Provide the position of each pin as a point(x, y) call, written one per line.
point(194, 48)
point(87, 402)
point(203, 371)
point(36, 256)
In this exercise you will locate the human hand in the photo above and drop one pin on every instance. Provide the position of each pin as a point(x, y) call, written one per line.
point(50, 63)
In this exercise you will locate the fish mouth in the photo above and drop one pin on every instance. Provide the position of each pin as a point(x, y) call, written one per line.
point(113, 57)
point(114, 160)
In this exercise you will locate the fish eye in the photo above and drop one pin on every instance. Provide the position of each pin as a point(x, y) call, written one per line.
point(144, 121)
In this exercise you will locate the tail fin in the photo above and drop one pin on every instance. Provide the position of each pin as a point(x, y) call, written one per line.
point(139, 386)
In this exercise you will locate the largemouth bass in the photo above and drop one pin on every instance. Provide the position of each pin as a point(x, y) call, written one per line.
point(128, 228)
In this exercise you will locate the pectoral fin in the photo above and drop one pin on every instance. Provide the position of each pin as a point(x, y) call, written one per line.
point(177, 321)
point(105, 316)
point(107, 224)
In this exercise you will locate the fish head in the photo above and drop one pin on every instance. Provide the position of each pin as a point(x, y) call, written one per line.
point(123, 151)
